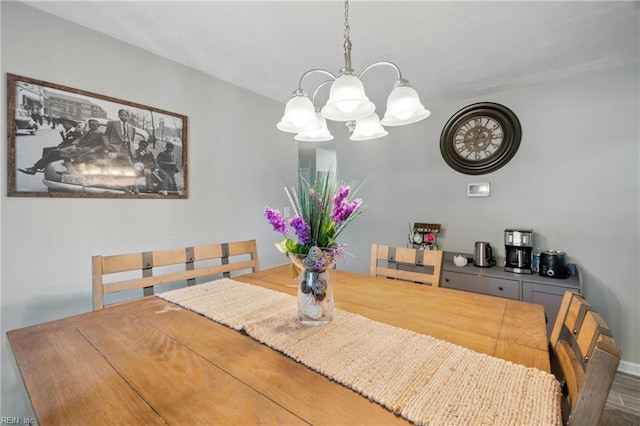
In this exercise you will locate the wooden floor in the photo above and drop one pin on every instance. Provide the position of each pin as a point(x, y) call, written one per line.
point(623, 404)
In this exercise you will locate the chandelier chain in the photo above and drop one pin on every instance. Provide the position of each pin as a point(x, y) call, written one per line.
point(347, 28)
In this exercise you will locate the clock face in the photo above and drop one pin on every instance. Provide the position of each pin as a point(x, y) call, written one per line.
point(480, 138)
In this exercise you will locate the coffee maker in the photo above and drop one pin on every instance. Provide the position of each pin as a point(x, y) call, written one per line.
point(518, 244)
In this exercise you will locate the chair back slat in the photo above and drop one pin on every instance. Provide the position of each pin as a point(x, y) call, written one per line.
point(584, 359)
point(574, 376)
point(212, 251)
point(121, 263)
point(123, 272)
point(169, 257)
point(592, 398)
point(407, 264)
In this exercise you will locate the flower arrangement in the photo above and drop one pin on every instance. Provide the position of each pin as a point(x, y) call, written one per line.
point(323, 207)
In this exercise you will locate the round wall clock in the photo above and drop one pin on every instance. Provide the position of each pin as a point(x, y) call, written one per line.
point(480, 138)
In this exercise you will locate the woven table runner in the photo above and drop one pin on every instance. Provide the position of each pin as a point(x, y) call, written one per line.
point(423, 379)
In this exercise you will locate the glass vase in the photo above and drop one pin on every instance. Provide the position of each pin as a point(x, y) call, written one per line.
point(315, 292)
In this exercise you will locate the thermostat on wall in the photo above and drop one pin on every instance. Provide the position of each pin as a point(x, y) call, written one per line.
point(479, 189)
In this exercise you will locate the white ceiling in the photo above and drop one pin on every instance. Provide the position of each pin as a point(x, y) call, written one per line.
point(449, 51)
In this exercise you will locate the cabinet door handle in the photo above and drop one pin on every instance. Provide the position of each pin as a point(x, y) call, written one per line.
point(500, 288)
point(446, 280)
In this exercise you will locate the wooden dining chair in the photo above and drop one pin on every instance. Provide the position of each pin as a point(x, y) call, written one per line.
point(584, 358)
point(407, 264)
point(179, 267)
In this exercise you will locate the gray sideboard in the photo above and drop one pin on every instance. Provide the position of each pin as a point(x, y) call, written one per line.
point(495, 281)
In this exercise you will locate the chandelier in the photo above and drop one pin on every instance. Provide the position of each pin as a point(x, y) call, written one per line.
point(349, 103)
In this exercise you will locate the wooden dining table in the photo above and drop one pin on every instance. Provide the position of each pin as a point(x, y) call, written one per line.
point(149, 361)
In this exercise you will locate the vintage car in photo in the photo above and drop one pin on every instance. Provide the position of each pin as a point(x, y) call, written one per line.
point(102, 175)
point(24, 122)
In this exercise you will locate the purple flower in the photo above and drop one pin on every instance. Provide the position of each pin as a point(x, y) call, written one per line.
point(343, 193)
point(344, 210)
point(303, 230)
point(276, 219)
point(336, 251)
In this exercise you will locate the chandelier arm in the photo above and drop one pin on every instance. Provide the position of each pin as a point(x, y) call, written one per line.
point(315, 92)
point(375, 64)
point(315, 70)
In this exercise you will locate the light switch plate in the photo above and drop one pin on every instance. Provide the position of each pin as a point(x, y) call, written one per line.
point(479, 189)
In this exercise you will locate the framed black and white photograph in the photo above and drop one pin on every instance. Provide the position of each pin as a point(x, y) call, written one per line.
point(66, 142)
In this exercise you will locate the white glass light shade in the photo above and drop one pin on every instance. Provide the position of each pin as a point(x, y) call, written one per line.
point(404, 107)
point(317, 132)
point(368, 128)
point(347, 100)
point(298, 114)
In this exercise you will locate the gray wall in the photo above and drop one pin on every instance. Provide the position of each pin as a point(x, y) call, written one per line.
point(47, 244)
point(574, 181)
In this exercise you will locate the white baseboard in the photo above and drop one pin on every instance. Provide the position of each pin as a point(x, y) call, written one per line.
point(629, 368)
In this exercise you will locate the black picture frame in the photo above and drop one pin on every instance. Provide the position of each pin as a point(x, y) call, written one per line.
point(51, 154)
